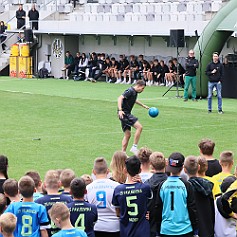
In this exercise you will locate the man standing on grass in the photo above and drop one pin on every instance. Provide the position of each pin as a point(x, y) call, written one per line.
point(215, 73)
point(191, 65)
point(126, 102)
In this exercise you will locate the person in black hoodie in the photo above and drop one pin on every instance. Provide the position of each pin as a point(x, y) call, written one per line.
point(21, 17)
point(215, 73)
point(203, 197)
point(191, 65)
point(157, 163)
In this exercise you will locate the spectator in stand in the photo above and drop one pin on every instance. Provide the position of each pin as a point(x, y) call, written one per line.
point(226, 162)
point(146, 69)
point(157, 163)
point(3, 35)
point(3, 171)
point(83, 63)
point(144, 155)
point(76, 62)
point(100, 193)
point(38, 184)
point(33, 15)
point(203, 197)
point(117, 166)
point(150, 74)
point(107, 68)
point(206, 147)
point(124, 66)
point(10, 188)
point(130, 200)
point(133, 70)
point(140, 65)
point(179, 72)
point(170, 76)
point(113, 70)
point(68, 66)
point(93, 66)
point(163, 69)
point(215, 73)
point(155, 72)
point(21, 17)
point(102, 66)
point(191, 65)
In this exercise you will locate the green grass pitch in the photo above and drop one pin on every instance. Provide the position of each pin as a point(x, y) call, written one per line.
point(77, 122)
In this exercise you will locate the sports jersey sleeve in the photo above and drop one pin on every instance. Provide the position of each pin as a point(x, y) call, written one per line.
point(43, 218)
point(127, 93)
point(10, 209)
point(114, 199)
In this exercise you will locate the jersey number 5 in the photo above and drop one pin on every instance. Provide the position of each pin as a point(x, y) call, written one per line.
point(131, 205)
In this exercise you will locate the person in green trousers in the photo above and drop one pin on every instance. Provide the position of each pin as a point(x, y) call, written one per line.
point(191, 65)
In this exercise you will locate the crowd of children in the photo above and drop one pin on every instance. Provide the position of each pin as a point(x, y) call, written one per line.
point(125, 70)
point(143, 195)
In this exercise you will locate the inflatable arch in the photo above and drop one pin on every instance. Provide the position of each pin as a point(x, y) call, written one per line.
point(212, 39)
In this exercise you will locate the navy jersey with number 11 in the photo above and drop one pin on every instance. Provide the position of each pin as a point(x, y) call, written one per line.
point(132, 199)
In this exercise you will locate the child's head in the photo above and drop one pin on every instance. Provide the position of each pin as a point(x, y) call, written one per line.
point(7, 224)
point(51, 179)
point(226, 159)
point(59, 213)
point(4, 165)
point(203, 166)
point(78, 188)
point(157, 161)
point(144, 155)
point(87, 179)
point(3, 203)
point(117, 165)
point(100, 166)
point(191, 165)
point(10, 187)
point(36, 177)
point(133, 166)
point(26, 187)
point(66, 177)
point(175, 163)
point(206, 147)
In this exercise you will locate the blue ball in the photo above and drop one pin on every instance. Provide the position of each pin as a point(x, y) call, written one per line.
point(153, 112)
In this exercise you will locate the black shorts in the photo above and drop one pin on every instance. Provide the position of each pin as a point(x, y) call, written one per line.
point(128, 121)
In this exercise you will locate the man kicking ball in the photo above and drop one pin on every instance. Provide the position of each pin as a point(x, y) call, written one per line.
point(126, 102)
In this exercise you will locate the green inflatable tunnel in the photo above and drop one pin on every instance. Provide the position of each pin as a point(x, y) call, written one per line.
point(212, 39)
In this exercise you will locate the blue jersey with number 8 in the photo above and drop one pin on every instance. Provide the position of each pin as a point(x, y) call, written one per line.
point(30, 217)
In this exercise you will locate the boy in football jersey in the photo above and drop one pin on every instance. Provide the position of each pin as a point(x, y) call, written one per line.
point(176, 208)
point(52, 184)
point(83, 215)
point(130, 200)
point(100, 193)
point(126, 102)
point(60, 215)
point(7, 224)
point(32, 218)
